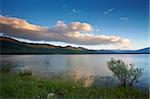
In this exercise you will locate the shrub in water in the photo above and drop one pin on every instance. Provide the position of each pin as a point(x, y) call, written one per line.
point(127, 74)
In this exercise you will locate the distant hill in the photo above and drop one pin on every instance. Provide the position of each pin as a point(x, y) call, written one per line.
point(12, 46)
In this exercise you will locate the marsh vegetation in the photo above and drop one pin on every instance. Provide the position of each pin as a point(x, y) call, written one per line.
point(25, 85)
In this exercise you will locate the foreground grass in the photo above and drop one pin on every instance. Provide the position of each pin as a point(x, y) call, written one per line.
point(15, 86)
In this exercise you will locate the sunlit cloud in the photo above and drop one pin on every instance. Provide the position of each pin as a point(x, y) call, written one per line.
point(108, 11)
point(19, 23)
point(73, 33)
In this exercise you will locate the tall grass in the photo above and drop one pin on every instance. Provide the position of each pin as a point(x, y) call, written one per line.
point(18, 86)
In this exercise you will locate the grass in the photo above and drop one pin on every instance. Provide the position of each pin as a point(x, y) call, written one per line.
point(22, 86)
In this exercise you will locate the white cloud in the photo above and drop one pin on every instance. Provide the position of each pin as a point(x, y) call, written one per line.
point(108, 11)
point(124, 18)
point(96, 30)
point(74, 33)
point(75, 11)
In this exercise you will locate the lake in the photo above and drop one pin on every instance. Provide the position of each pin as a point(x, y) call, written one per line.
point(81, 65)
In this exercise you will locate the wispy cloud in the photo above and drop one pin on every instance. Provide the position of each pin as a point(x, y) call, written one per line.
point(108, 11)
point(96, 30)
point(124, 18)
point(76, 11)
point(74, 33)
point(64, 6)
point(73, 10)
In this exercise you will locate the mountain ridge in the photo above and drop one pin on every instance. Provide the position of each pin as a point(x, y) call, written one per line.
point(12, 46)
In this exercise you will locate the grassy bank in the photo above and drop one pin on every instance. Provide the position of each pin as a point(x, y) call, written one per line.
point(16, 86)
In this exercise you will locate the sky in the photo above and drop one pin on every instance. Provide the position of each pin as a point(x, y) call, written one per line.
point(93, 24)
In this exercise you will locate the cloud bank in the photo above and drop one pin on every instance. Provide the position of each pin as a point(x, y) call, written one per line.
point(74, 33)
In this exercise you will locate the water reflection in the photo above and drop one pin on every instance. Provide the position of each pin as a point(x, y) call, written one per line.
point(80, 66)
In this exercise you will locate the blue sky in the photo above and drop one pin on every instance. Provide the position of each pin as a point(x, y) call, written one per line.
point(124, 18)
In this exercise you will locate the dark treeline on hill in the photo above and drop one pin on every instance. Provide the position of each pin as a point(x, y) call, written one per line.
point(12, 46)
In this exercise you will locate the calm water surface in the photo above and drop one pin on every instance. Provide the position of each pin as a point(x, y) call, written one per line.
point(81, 64)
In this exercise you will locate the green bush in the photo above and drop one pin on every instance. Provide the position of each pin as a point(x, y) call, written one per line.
point(127, 74)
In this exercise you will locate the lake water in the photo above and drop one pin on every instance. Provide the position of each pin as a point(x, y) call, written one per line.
point(82, 65)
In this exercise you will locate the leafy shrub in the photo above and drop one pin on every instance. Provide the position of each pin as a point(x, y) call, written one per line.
point(127, 74)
